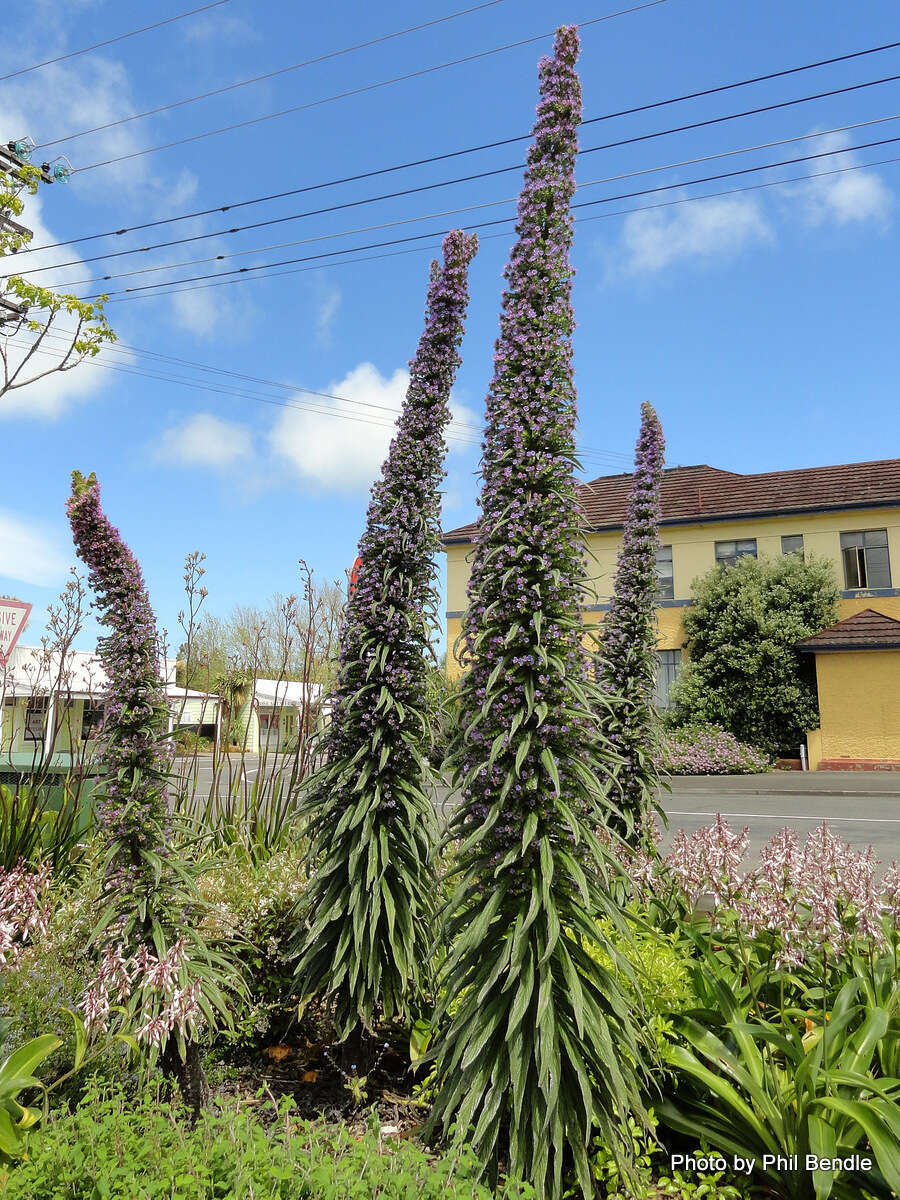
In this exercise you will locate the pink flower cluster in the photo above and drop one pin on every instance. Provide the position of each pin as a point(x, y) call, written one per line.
point(823, 895)
point(709, 750)
point(24, 909)
point(165, 1005)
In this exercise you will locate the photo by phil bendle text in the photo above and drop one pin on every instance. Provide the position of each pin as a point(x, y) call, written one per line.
point(781, 1162)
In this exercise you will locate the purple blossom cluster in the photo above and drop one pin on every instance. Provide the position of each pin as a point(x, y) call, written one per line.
point(132, 808)
point(626, 663)
point(708, 750)
point(379, 731)
point(24, 909)
point(819, 896)
point(168, 1003)
point(522, 634)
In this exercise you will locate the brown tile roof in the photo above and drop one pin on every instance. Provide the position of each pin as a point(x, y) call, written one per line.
point(703, 493)
point(866, 630)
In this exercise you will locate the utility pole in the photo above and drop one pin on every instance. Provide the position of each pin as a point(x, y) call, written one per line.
point(14, 158)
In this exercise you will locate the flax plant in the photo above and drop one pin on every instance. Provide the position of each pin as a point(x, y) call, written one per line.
point(539, 1050)
point(367, 917)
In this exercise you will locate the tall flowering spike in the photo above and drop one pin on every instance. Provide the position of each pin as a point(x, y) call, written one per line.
point(133, 809)
point(369, 906)
point(149, 899)
point(627, 659)
point(538, 1039)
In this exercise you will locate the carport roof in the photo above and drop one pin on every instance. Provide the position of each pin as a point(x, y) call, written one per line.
point(866, 630)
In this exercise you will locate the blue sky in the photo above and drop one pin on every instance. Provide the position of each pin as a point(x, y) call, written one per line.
point(761, 324)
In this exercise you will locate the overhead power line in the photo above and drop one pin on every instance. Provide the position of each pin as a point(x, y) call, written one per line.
point(434, 247)
point(242, 83)
point(206, 212)
point(804, 137)
point(458, 432)
point(429, 187)
point(109, 41)
point(509, 220)
point(359, 91)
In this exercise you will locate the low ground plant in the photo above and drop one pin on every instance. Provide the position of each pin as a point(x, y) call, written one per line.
point(709, 750)
point(120, 1149)
point(793, 1047)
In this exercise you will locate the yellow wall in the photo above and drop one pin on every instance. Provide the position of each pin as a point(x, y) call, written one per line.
point(859, 703)
point(693, 554)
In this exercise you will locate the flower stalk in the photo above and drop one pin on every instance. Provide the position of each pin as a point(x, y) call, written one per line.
point(369, 813)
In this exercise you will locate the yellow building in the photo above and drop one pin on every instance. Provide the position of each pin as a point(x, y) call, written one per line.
point(848, 513)
point(858, 676)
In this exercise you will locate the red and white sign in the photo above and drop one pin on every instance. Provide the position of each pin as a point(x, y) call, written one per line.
point(13, 615)
point(354, 575)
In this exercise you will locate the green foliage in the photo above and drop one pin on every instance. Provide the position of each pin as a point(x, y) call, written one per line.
point(785, 1085)
point(745, 672)
point(254, 903)
point(17, 1076)
point(244, 817)
point(43, 306)
point(112, 1150)
point(43, 824)
point(442, 699)
point(653, 1180)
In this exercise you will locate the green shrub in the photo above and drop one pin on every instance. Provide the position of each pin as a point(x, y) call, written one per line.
point(254, 903)
point(110, 1149)
point(744, 670)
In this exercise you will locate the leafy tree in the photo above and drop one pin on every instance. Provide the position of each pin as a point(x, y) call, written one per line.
point(745, 672)
point(35, 343)
point(536, 1046)
point(626, 664)
point(369, 905)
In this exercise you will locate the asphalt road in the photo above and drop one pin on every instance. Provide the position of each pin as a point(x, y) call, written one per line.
point(863, 807)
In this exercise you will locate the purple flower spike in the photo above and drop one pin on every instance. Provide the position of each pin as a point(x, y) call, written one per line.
point(132, 809)
point(626, 666)
point(369, 811)
point(526, 1021)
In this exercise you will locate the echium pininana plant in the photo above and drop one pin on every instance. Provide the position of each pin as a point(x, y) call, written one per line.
point(626, 661)
point(369, 906)
point(537, 1048)
point(149, 898)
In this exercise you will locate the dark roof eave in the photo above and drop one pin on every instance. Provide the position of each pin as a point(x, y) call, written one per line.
point(702, 518)
point(831, 647)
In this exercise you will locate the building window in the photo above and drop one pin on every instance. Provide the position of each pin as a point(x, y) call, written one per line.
point(866, 560)
point(727, 553)
point(91, 720)
point(792, 544)
point(665, 580)
point(35, 719)
point(668, 664)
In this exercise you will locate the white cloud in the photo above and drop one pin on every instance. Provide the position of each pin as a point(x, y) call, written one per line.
point(853, 196)
point(328, 305)
point(28, 553)
point(217, 27)
point(343, 447)
point(207, 441)
point(705, 229)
